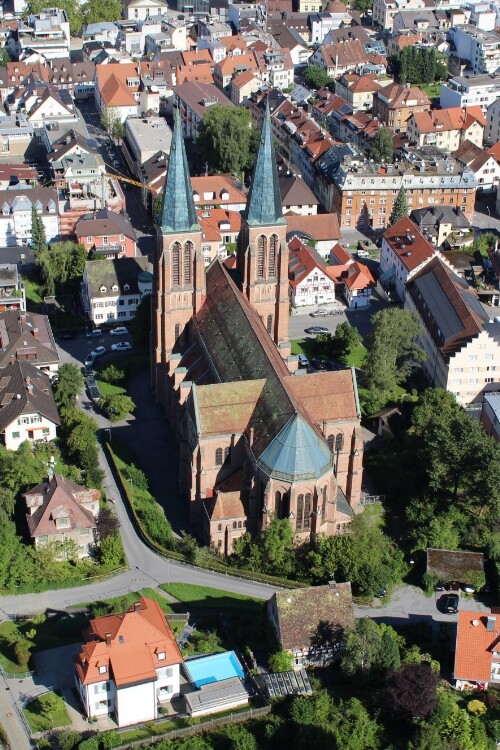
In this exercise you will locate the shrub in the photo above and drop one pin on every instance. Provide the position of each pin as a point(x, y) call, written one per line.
point(476, 708)
point(281, 661)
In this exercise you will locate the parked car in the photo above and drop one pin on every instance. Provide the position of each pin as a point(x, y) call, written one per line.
point(89, 362)
point(452, 586)
point(363, 254)
point(54, 379)
point(94, 333)
point(316, 329)
point(68, 336)
point(303, 361)
point(122, 346)
point(319, 313)
point(318, 363)
point(452, 604)
point(468, 589)
point(98, 352)
point(120, 331)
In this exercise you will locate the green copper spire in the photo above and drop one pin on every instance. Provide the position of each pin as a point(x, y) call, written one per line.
point(264, 199)
point(178, 213)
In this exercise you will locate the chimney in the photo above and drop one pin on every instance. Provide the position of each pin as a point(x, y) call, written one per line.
point(137, 606)
point(408, 235)
point(108, 639)
point(36, 333)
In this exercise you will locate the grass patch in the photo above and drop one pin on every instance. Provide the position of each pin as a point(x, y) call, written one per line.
point(203, 597)
point(122, 603)
point(34, 297)
point(8, 630)
point(130, 364)
point(357, 357)
point(38, 721)
point(433, 90)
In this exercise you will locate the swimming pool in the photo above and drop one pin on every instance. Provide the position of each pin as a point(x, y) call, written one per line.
point(214, 668)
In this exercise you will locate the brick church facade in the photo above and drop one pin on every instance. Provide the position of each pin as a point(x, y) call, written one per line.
point(257, 437)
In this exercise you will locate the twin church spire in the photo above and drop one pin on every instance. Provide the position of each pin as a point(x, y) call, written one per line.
point(178, 213)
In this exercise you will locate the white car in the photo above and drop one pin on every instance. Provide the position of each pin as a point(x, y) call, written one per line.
point(98, 352)
point(123, 346)
point(120, 331)
point(363, 254)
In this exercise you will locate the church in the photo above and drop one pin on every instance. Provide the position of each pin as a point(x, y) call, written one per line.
point(258, 437)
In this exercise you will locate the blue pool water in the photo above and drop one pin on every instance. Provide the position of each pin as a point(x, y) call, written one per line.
point(214, 668)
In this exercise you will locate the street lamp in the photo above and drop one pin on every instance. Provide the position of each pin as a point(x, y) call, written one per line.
point(489, 215)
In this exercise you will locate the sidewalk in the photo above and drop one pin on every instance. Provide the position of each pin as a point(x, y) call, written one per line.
point(10, 720)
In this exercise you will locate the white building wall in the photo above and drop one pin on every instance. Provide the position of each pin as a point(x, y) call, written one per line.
point(315, 289)
point(29, 427)
point(136, 703)
point(492, 130)
point(15, 228)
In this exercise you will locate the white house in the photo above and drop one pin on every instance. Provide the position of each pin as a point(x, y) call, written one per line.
point(27, 407)
point(112, 289)
point(404, 251)
point(484, 165)
point(492, 130)
point(47, 33)
point(15, 214)
point(309, 282)
point(129, 665)
point(358, 284)
point(142, 9)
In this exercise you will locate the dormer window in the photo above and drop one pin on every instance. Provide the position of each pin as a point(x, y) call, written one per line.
point(103, 669)
point(161, 656)
point(126, 287)
point(103, 289)
point(114, 288)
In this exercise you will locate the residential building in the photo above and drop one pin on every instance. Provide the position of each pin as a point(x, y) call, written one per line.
point(219, 229)
point(117, 89)
point(439, 223)
point(17, 175)
point(16, 214)
point(145, 136)
point(490, 415)
point(357, 285)
point(404, 251)
point(144, 9)
point(107, 233)
point(60, 511)
point(76, 77)
point(275, 67)
point(358, 90)
point(482, 164)
point(349, 56)
point(298, 615)
point(129, 665)
point(27, 407)
point(469, 90)
point(223, 369)
point(385, 10)
point(365, 197)
point(193, 100)
point(296, 196)
point(309, 6)
point(429, 21)
point(462, 346)
point(322, 23)
point(395, 103)
point(243, 86)
point(232, 66)
point(447, 129)
point(112, 289)
point(291, 40)
point(46, 32)
point(12, 291)
point(320, 230)
point(102, 31)
point(16, 134)
point(480, 48)
point(492, 131)
point(218, 191)
point(27, 336)
point(477, 660)
point(309, 281)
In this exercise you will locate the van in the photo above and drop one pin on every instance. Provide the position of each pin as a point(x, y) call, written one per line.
point(94, 333)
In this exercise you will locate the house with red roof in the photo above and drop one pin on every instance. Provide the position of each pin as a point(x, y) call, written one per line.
point(358, 283)
point(447, 128)
point(321, 230)
point(129, 665)
point(404, 252)
point(477, 650)
point(309, 281)
point(484, 164)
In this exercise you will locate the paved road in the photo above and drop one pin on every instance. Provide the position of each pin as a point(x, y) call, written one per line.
point(359, 318)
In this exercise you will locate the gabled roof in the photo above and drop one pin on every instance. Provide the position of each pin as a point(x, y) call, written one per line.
point(453, 118)
point(112, 83)
point(301, 262)
point(495, 150)
point(319, 227)
point(301, 611)
point(433, 215)
point(104, 223)
point(128, 646)
point(474, 645)
point(473, 156)
point(341, 254)
point(408, 243)
point(21, 332)
point(399, 95)
point(297, 453)
point(358, 276)
point(59, 497)
point(295, 192)
point(230, 405)
point(329, 396)
point(264, 200)
point(25, 390)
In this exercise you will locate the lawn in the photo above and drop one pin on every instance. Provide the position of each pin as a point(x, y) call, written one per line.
point(40, 723)
point(310, 348)
point(34, 298)
point(130, 364)
point(122, 603)
point(357, 357)
point(202, 597)
point(433, 90)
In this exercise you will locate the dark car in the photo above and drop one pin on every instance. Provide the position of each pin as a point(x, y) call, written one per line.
point(452, 604)
point(68, 336)
point(318, 363)
point(452, 586)
point(317, 329)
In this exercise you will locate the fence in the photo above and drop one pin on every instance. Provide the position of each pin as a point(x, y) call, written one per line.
point(205, 726)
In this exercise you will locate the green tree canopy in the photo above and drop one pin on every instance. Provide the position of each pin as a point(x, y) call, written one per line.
point(281, 661)
point(68, 387)
point(370, 647)
point(316, 77)
point(59, 262)
point(227, 139)
point(392, 350)
point(117, 406)
point(71, 7)
point(381, 149)
point(362, 6)
point(400, 208)
point(96, 11)
point(271, 551)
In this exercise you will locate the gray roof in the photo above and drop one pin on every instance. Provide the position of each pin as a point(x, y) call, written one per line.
point(103, 223)
point(24, 334)
point(429, 217)
point(296, 453)
point(178, 213)
point(25, 390)
point(120, 272)
point(264, 199)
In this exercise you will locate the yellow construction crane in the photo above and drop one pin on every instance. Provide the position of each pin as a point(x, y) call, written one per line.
point(122, 178)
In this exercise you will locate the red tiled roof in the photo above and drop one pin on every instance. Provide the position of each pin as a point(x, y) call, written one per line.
point(319, 227)
point(201, 72)
point(399, 96)
point(341, 254)
point(495, 151)
point(453, 118)
point(136, 638)
point(358, 276)
point(301, 262)
point(473, 654)
point(411, 253)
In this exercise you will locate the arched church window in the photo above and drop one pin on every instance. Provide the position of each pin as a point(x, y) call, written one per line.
point(188, 254)
point(261, 251)
point(176, 264)
point(269, 325)
point(339, 442)
point(300, 513)
point(331, 442)
point(325, 497)
point(307, 511)
point(273, 251)
point(218, 457)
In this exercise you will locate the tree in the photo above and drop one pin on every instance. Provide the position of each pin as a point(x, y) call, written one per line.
point(117, 406)
point(353, 727)
point(360, 652)
point(141, 324)
point(111, 121)
point(271, 551)
point(60, 262)
point(392, 349)
point(50, 704)
point(96, 11)
point(411, 692)
point(345, 340)
point(68, 387)
point(281, 661)
point(70, 6)
point(107, 523)
point(227, 139)
point(110, 551)
point(111, 374)
point(382, 149)
point(363, 6)
point(67, 739)
point(400, 208)
point(22, 653)
point(4, 57)
point(316, 77)
point(38, 238)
